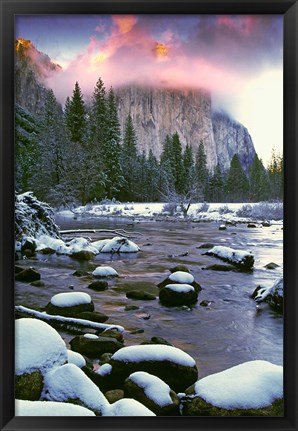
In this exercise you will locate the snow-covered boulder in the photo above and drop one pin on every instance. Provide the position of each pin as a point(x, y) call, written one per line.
point(128, 407)
point(33, 218)
point(243, 259)
point(254, 388)
point(181, 277)
point(116, 245)
point(94, 346)
point(178, 294)
point(76, 359)
point(172, 365)
point(39, 348)
point(273, 295)
point(68, 383)
point(49, 408)
point(69, 304)
point(105, 271)
point(152, 392)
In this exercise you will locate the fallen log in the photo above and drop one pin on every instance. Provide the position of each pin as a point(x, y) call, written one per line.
point(66, 322)
point(120, 232)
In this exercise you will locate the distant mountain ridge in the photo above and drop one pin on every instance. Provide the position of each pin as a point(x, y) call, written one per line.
point(156, 112)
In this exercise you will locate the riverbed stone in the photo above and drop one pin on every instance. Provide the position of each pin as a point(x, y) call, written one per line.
point(114, 395)
point(99, 286)
point(178, 295)
point(82, 255)
point(28, 244)
point(94, 347)
point(29, 386)
point(140, 294)
point(157, 340)
point(182, 268)
point(28, 275)
point(219, 267)
point(199, 407)
point(71, 311)
point(271, 265)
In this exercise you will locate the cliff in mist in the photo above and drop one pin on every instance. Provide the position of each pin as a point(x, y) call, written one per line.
point(156, 112)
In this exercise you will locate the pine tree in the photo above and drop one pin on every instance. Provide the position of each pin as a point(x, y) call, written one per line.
point(188, 169)
point(129, 160)
point(112, 149)
point(152, 177)
point(201, 171)
point(237, 186)
point(216, 186)
point(276, 175)
point(76, 115)
point(177, 162)
point(52, 146)
point(259, 181)
point(167, 176)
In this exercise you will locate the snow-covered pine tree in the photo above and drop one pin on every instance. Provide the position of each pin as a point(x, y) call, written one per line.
point(129, 161)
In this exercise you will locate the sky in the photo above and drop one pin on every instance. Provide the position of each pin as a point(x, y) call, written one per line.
point(239, 58)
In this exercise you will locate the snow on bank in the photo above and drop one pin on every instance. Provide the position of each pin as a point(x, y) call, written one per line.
point(251, 385)
point(226, 212)
point(49, 408)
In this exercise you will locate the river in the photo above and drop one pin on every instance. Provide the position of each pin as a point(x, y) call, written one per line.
point(229, 331)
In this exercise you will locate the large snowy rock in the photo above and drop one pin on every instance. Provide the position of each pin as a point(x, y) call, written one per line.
point(246, 389)
point(172, 365)
point(273, 295)
point(178, 294)
point(69, 304)
point(68, 383)
point(152, 392)
point(76, 359)
point(128, 407)
point(33, 218)
point(243, 259)
point(38, 348)
point(180, 277)
point(49, 408)
point(94, 346)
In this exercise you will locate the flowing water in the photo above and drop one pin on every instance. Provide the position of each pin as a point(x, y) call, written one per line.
point(229, 331)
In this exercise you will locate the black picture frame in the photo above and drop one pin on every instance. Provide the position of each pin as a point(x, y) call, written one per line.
point(289, 9)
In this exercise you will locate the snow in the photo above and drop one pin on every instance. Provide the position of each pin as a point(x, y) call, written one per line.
point(230, 253)
point(154, 353)
point(69, 382)
point(180, 288)
point(128, 407)
point(69, 248)
point(49, 408)
point(181, 277)
point(38, 347)
point(104, 370)
point(276, 289)
point(105, 271)
point(149, 210)
point(76, 359)
point(119, 245)
point(91, 336)
point(251, 385)
point(154, 388)
point(68, 320)
point(70, 299)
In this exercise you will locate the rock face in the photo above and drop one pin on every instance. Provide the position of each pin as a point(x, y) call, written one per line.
point(31, 67)
point(157, 112)
point(231, 137)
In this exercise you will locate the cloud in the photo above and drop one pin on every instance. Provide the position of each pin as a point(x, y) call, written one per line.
point(220, 53)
